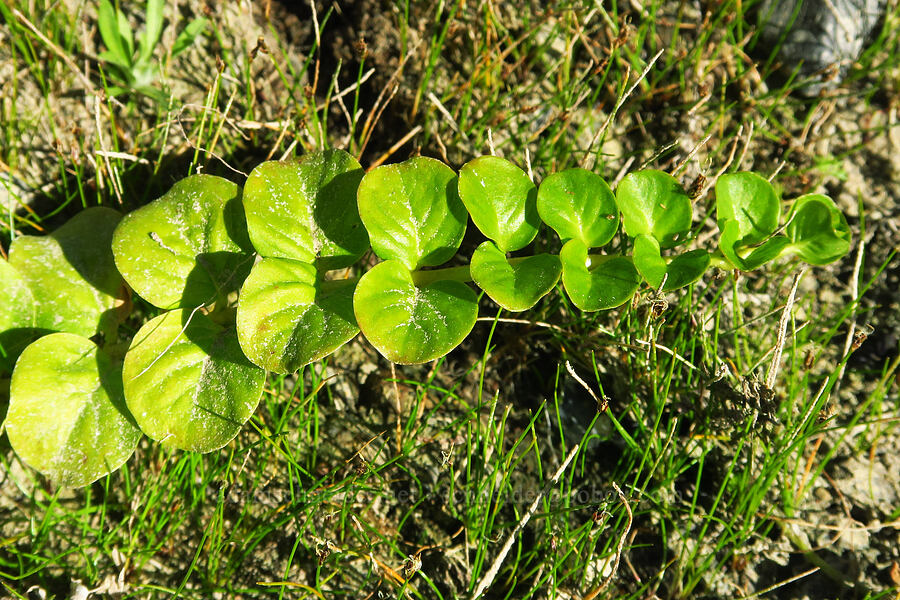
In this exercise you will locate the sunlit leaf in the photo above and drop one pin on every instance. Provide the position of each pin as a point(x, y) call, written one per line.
point(71, 274)
point(597, 282)
point(502, 201)
point(287, 317)
point(747, 258)
point(17, 316)
point(306, 210)
point(412, 212)
point(187, 383)
point(686, 268)
point(67, 415)
point(408, 323)
point(750, 201)
point(515, 284)
point(818, 230)
point(677, 271)
point(579, 205)
point(653, 203)
point(747, 212)
point(187, 248)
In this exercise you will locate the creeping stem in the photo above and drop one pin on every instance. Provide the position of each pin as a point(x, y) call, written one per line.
point(463, 275)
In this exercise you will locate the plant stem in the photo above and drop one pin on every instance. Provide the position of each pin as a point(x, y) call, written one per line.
point(461, 274)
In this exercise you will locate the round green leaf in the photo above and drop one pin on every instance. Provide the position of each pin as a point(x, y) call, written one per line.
point(502, 201)
point(515, 284)
point(17, 316)
point(71, 273)
point(67, 415)
point(187, 383)
point(751, 202)
point(597, 282)
point(409, 324)
point(818, 231)
point(187, 248)
point(306, 210)
point(288, 318)
point(654, 203)
point(413, 212)
point(579, 205)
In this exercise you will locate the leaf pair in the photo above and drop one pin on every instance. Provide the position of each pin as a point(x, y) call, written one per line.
point(415, 219)
point(503, 203)
point(303, 220)
point(67, 414)
point(71, 275)
point(185, 379)
point(580, 207)
point(657, 214)
point(748, 212)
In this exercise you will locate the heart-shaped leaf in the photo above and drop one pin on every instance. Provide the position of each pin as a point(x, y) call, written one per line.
point(187, 248)
point(410, 324)
point(67, 415)
point(648, 261)
point(654, 203)
point(413, 212)
point(677, 272)
point(72, 275)
point(579, 205)
point(515, 284)
point(818, 231)
point(750, 201)
point(747, 212)
point(306, 210)
point(287, 317)
point(187, 383)
point(597, 282)
point(502, 201)
point(17, 315)
point(686, 268)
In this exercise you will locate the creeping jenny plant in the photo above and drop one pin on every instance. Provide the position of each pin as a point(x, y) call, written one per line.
point(270, 277)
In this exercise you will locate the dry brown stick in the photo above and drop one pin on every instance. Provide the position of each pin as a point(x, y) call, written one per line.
point(399, 408)
point(113, 174)
point(619, 547)
point(782, 331)
point(692, 153)
point(601, 403)
point(378, 161)
point(780, 584)
point(854, 293)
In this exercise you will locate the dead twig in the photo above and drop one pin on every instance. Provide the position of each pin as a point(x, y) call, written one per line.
point(782, 331)
point(488, 578)
point(619, 547)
